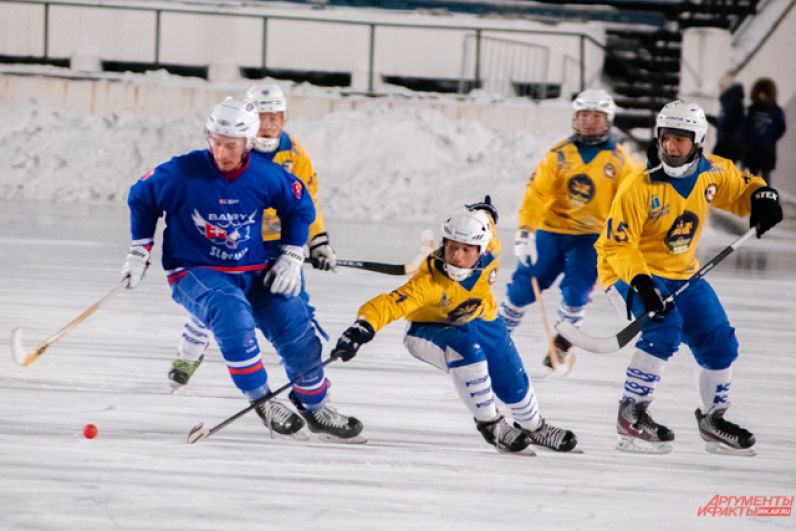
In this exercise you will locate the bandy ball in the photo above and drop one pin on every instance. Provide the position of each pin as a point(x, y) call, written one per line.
point(89, 431)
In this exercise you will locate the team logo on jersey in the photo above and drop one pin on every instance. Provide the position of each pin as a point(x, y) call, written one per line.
point(398, 296)
point(445, 301)
point(228, 201)
point(656, 210)
point(681, 234)
point(465, 311)
point(609, 170)
point(297, 189)
point(561, 161)
point(227, 229)
point(710, 192)
point(581, 189)
point(492, 277)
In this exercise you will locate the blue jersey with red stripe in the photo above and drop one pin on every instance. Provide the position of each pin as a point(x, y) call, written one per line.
point(215, 220)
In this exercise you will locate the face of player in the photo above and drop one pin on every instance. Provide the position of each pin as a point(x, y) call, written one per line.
point(462, 255)
point(675, 145)
point(590, 123)
point(271, 124)
point(228, 151)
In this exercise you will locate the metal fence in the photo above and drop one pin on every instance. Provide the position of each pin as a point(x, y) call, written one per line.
point(479, 54)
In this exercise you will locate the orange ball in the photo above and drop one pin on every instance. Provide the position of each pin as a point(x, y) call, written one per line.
point(89, 431)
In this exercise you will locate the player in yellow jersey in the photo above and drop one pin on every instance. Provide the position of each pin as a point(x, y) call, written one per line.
point(564, 209)
point(454, 326)
point(648, 249)
point(275, 144)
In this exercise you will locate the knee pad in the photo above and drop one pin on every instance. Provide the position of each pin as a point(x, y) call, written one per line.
point(717, 350)
point(519, 291)
point(662, 342)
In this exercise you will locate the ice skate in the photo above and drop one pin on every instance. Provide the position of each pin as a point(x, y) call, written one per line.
point(638, 432)
point(551, 437)
point(329, 425)
point(181, 371)
point(565, 358)
point(503, 436)
point(281, 420)
point(722, 436)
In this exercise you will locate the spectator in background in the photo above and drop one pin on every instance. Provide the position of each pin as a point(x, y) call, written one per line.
point(763, 126)
point(729, 141)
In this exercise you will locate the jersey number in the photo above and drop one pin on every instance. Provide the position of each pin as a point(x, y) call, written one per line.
point(618, 235)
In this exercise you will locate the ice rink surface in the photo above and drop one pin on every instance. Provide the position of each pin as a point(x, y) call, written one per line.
point(424, 467)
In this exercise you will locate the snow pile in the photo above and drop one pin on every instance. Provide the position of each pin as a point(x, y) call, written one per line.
point(375, 164)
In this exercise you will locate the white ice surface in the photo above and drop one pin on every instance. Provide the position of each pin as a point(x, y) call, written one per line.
point(424, 467)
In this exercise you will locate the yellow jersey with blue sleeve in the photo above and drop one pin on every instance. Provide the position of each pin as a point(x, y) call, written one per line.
point(656, 221)
point(293, 157)
point(573, 186)
point(430, 296)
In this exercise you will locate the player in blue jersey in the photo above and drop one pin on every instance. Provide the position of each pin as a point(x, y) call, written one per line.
point(220, 271)
point(276, 145)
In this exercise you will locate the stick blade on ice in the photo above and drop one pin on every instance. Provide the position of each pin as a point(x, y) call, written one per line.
point(18, 351)
point(197, 433)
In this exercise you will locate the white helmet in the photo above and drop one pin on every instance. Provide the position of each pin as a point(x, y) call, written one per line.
point(684, 116)
point(681, 116)
point(472, 227)
point(595, 100)
point(268, 98)
point(234, 118)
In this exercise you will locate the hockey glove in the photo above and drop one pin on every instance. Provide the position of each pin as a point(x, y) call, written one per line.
point(354, 337)
point(766, 210)
point(487, 206)
point(135, 266)
point(322, 254)
point(284, 276)
point(525, 246)
point(649, 293)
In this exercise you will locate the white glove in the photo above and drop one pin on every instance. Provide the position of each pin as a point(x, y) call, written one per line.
point(285, 275)
point(525, 246)
point(322, 254)
point(135, 266)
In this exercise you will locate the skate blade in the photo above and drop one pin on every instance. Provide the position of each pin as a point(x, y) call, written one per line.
point(298, 436)
point(328, 437)
point(640, 446)
point(723, 449)
point(527, 452)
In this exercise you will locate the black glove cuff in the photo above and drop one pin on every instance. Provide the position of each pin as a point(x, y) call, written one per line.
point(487, 206)
point(363, 330)
point(765, 192)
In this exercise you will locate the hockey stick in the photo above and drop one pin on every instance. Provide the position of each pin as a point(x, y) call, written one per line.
point(426, 246)
point(24, 358)
point(199, 432)
point(561, 368)
point(604, 345)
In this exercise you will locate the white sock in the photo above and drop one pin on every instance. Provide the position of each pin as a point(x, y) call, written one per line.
point(714, 388)
point(194, 340)
point(474, 386)
point(526, 411)
point(643, 374)
point(573, 314)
